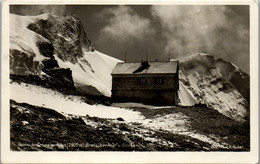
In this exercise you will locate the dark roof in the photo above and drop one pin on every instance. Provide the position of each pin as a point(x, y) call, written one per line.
point(154, 68)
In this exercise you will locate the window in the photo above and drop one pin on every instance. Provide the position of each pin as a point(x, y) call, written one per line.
point(143, 81)
point(158, 81)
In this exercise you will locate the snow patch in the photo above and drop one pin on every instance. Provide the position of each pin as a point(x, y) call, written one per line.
point(176, 122)
point(48, 98)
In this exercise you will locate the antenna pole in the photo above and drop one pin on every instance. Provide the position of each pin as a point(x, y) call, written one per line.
point(146, 55)
point(125, 56)
point(169, 55)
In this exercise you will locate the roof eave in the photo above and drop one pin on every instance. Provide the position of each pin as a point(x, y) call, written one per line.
point(137, 74)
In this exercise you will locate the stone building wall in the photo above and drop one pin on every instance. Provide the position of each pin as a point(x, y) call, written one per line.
point(157, 89)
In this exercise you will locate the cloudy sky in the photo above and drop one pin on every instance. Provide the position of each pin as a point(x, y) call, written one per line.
point(182, 30)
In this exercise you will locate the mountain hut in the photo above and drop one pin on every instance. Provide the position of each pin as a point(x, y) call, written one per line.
point(155, 83)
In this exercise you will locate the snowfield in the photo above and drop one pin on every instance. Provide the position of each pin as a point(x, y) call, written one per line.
point(48, 98)
point(97, 74)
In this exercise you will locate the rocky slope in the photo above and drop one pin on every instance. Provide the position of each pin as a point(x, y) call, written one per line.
point(36, 128)
point(66, 35)
point(216, 83)
point(48, 46)
point(44, 119)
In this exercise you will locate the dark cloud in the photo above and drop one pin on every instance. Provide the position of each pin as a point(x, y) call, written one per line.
point(123, 24)
point(217, 30)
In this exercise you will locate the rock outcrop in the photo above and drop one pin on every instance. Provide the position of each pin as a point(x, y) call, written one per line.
point(47, 46)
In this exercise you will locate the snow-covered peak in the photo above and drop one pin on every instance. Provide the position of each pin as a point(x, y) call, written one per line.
point(43, 16)
point(217, 83)
point(193, 56)
point(66, 33)
point(23, 47)
point(38, 42)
